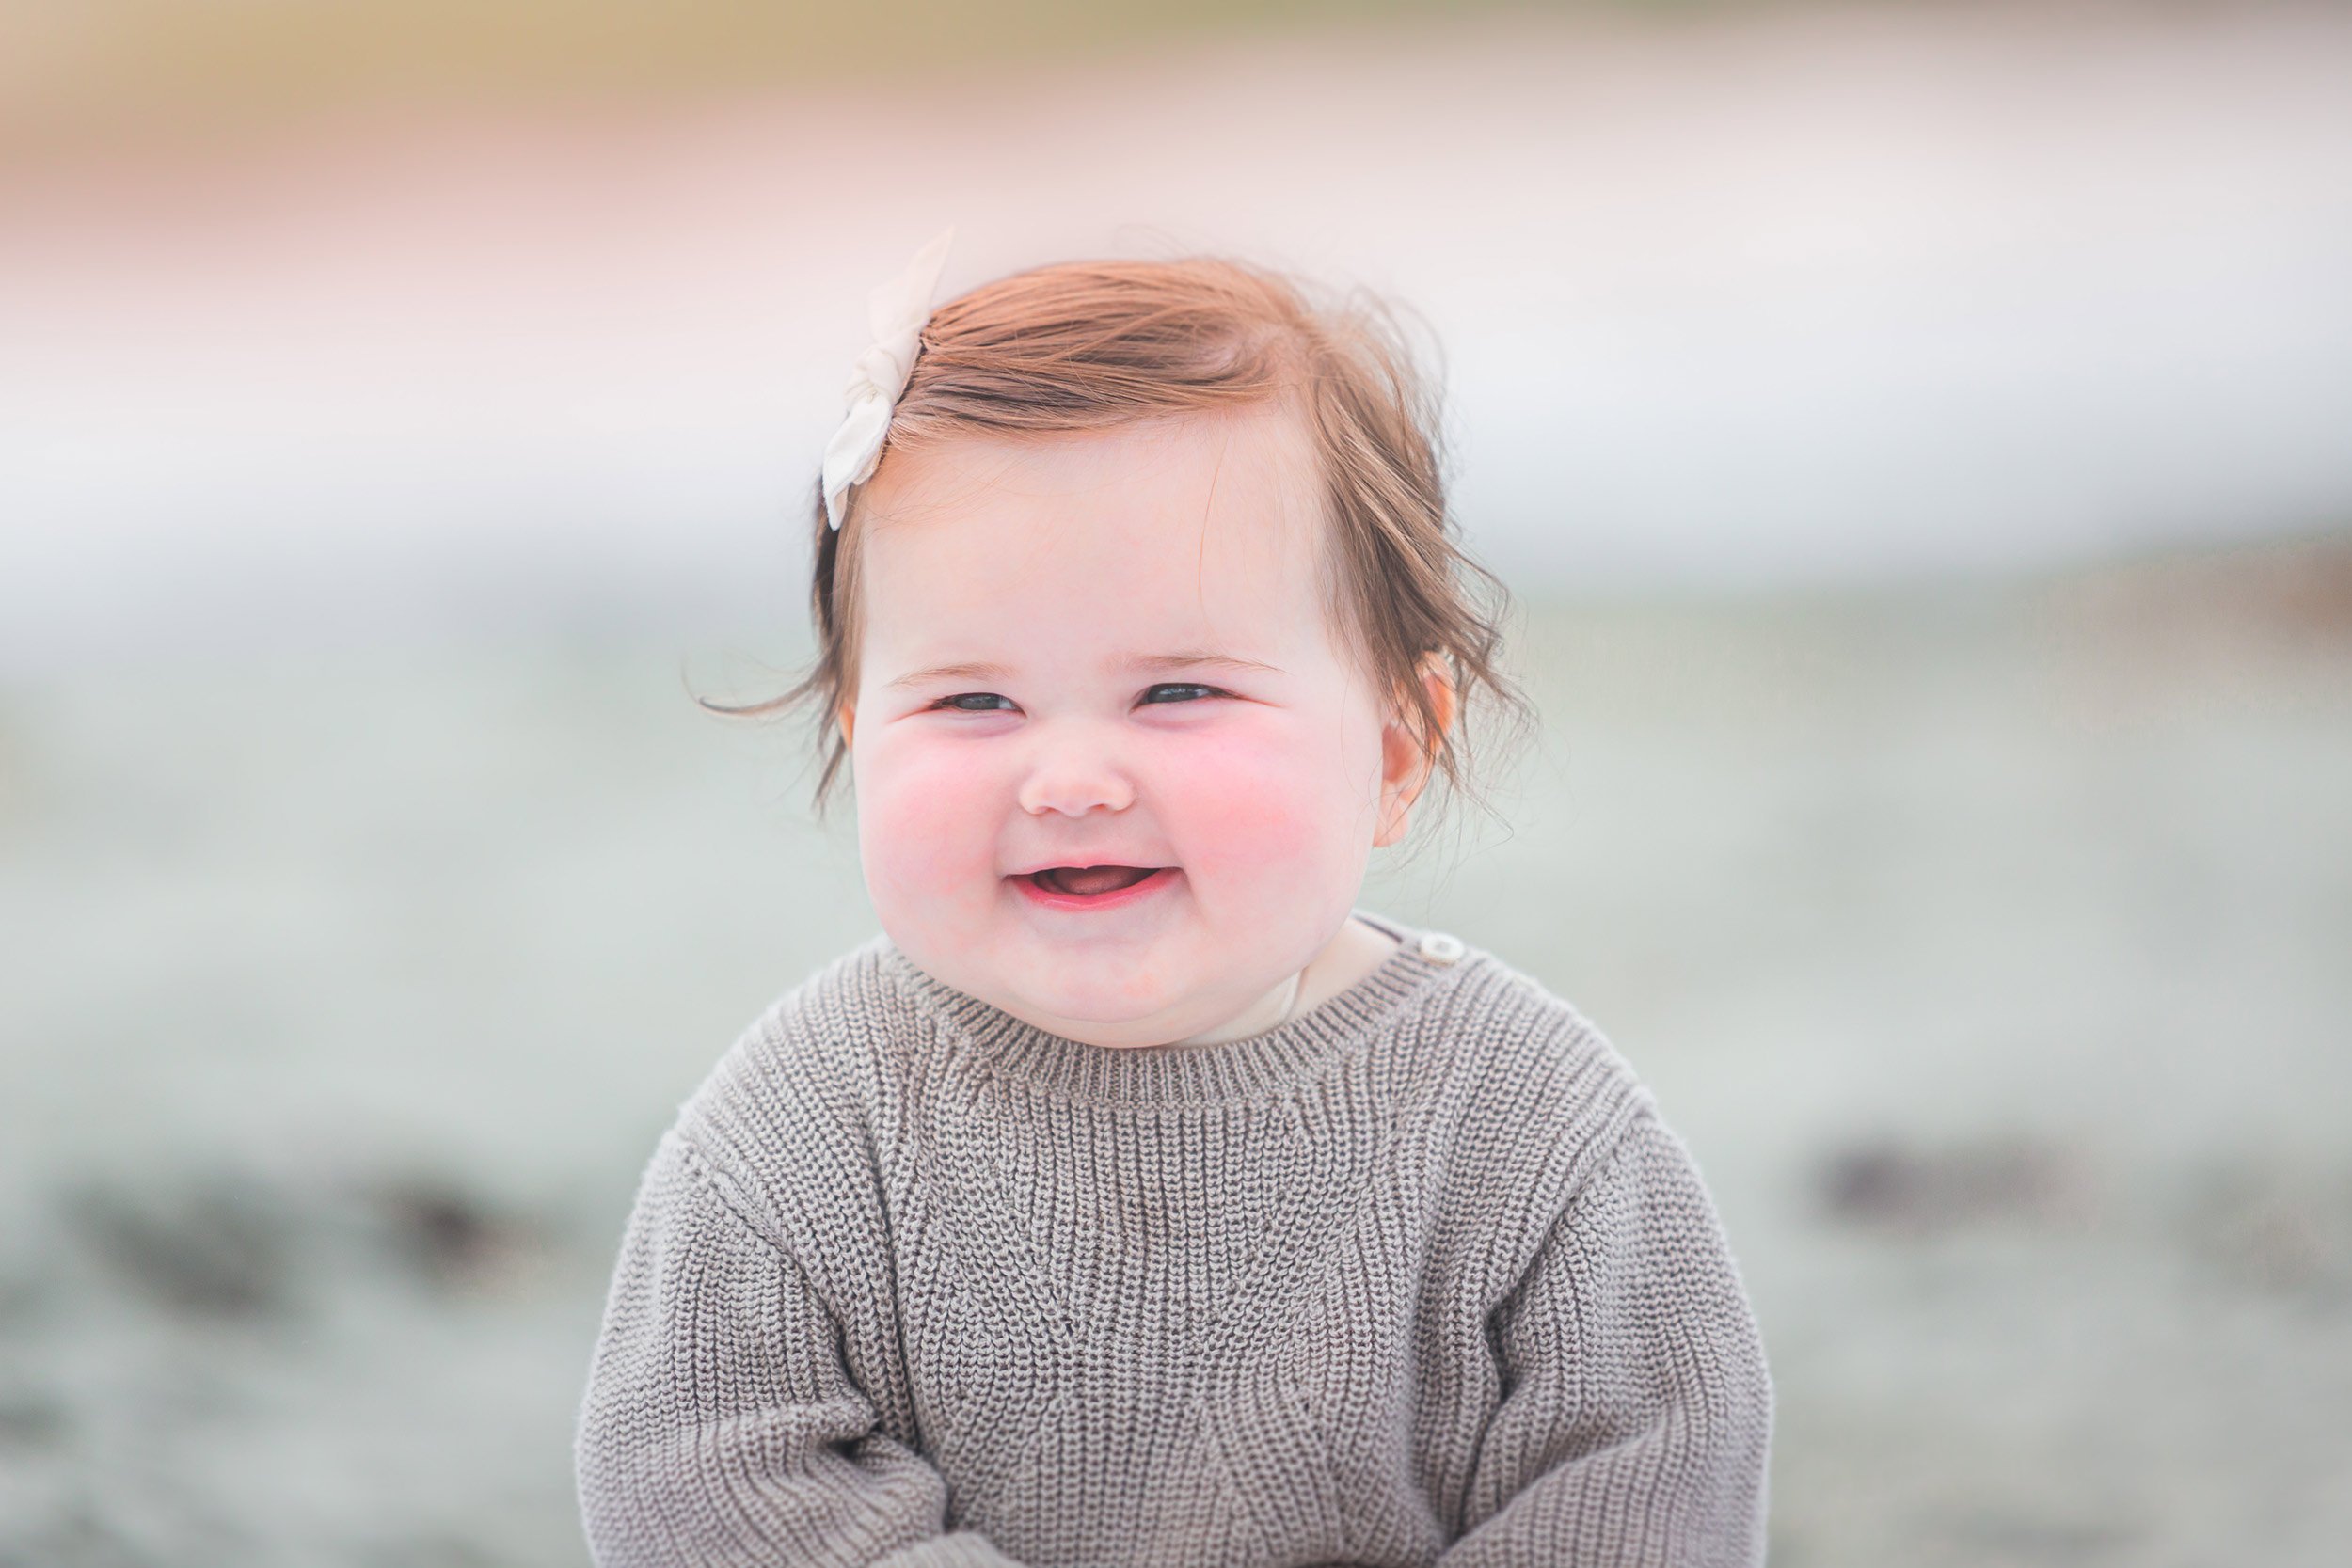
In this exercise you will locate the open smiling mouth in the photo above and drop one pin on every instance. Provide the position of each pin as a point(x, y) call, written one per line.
point(1094, 886)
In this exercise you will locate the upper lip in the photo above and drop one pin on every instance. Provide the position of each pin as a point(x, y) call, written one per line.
point(1108, 857)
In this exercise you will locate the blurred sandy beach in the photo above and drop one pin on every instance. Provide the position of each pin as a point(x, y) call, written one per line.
point(1915, 437)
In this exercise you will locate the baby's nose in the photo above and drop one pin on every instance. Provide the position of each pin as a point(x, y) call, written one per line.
point(1073, 776)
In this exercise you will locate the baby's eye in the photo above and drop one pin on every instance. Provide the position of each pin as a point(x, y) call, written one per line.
point(981, 701)
point(1179, 686)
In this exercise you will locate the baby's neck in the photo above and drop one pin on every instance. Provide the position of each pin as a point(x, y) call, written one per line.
point(1356, 952)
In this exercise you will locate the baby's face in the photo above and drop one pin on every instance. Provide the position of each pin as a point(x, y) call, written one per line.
point(1110, 650)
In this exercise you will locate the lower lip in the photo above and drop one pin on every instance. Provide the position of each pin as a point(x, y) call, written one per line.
point(1047, 898)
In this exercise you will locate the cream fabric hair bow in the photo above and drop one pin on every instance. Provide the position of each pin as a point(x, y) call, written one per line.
point(897, 311)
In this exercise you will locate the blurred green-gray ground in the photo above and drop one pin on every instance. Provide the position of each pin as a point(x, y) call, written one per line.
point(1986, 944)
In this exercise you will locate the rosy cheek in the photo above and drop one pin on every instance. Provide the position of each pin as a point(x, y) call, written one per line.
point(1251, 802)
point(927, 815)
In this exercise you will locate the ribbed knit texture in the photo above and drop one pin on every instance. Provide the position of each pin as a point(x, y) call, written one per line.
point(1417, 1278)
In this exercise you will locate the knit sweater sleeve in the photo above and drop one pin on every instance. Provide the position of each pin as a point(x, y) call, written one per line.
point(1635, 1415)
point(721, 1425)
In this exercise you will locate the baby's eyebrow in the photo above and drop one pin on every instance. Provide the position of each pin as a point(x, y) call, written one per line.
point(1184, 659)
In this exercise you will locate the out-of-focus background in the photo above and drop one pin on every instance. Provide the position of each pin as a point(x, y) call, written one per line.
point(1915, 434)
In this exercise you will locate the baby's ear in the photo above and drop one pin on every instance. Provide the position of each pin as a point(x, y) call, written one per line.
point(1437, 675)
point(1437, 679)
point(846, 716)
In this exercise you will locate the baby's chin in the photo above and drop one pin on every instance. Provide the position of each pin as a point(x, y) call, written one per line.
point(1086, 998)
point(1139, 989)
point(1096, 1015)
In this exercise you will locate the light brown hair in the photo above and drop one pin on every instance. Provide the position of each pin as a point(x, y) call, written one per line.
point(1093, 345)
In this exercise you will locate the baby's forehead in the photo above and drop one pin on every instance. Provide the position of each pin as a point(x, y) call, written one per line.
point(1243, 486)
point(1146, 543)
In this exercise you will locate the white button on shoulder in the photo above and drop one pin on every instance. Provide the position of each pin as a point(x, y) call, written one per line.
point(1440, 948)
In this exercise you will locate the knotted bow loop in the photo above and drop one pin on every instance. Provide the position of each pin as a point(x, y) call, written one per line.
point(897, 311)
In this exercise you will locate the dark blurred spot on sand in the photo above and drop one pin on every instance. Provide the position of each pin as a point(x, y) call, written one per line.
point(455, 1239)
point(1924, 1191)
point(214, 1246)
point(225, 1243)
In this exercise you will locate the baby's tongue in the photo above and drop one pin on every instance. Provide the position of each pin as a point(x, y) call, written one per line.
point(1090, 879)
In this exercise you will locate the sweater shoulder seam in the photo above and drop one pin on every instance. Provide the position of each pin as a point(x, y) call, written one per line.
point(710, 1173)
point(856, 1074)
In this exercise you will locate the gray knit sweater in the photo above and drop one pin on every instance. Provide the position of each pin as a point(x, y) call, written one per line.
point(1416, 1277)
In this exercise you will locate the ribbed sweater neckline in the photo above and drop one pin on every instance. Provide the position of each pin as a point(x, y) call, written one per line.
point(1255, 1066)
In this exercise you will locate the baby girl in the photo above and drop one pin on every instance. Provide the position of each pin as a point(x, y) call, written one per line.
point(1135, 1198)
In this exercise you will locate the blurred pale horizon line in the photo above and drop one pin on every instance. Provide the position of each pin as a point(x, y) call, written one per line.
point(1745, 300)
